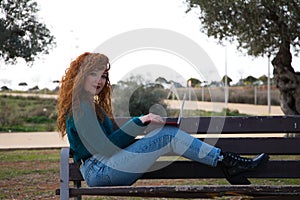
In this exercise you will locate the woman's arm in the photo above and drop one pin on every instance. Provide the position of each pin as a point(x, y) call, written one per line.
point(96, 138)
point(125, 134)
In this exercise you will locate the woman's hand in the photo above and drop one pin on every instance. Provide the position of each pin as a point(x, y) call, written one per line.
point(151, 118)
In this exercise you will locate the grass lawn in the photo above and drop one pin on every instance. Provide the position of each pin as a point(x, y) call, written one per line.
point(34, 174)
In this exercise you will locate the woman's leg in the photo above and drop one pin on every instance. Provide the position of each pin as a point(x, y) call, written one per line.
point(125, 167)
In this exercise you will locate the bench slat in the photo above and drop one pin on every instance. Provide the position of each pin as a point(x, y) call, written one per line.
point(201, 191)
point(272, 146)
point(190, 169)
point(253, 146)
point(252, 124)
point(236, 124)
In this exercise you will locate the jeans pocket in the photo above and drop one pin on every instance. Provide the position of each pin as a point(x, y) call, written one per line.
point(86, 169)
point(103, 180)
point(95, 175)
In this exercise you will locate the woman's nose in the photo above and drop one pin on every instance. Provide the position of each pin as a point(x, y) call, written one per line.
point(101, 80)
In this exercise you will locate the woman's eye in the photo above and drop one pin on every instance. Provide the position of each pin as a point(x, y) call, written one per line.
point(104, 76)
point(93, 74)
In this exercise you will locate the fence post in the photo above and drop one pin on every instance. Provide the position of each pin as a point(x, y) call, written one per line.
point(255, 94)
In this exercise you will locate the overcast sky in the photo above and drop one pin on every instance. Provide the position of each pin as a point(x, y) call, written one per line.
point(81, 26)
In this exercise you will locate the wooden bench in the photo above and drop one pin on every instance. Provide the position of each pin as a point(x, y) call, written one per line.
point(244, 135)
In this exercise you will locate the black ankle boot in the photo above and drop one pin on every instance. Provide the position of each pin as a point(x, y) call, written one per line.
point(234, 166)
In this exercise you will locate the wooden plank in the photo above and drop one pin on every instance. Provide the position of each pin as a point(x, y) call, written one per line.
point(253, 146)
point(189, 169)
point(252, 124)
point(273, 146)
point(236, 124)
point(187, 191)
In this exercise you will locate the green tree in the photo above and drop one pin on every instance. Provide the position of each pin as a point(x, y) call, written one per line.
point(145, 98)
point(264, 79)
point(250, 80)
point(194, 82)
point(262, 28)
point(229, 80)
point(161, 80)
point(21, 34)
point(133, 97)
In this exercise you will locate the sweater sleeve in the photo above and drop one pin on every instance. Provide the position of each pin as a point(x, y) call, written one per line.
point(125, 135)
point(99, 140)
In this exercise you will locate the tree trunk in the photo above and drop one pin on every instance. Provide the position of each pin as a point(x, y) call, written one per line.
point(287, 81)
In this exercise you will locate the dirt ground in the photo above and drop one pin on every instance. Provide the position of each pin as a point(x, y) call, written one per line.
point(38, 179)
point(29, 179)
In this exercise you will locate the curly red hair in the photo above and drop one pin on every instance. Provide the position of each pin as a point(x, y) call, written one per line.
point(71, 88)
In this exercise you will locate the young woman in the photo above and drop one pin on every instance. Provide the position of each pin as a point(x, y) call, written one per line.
point(109, 156)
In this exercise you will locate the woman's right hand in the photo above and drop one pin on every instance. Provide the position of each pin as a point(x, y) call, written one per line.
point(151, 118)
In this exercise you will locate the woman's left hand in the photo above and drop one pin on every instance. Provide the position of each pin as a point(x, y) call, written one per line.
point(152, 118)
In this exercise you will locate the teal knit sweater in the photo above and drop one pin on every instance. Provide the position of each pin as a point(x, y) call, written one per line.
point(89, 136)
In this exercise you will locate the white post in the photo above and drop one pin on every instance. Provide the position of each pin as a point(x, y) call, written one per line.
point(189, 87)
point(202, 87)
point(203, 84)
point(255, 94)
point(269, 92)
point(226, 81)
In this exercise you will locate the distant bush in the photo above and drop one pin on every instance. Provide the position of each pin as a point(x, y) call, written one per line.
point(39, 120)
point(133, 98)
point(27, 114)
point(144, 98)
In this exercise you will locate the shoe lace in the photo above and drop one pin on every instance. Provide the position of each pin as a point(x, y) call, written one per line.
point(239, 158)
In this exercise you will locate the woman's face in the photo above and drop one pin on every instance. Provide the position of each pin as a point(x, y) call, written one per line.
point(95, 81)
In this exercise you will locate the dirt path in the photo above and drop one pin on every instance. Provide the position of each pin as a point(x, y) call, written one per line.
point(249, 109)
point(31, 140)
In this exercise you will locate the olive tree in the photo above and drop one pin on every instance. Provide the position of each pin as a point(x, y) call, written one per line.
point(21, 33)
point(134, 97)
point(261, 28)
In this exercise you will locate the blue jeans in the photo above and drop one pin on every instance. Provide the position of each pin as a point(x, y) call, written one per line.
point(129, 164)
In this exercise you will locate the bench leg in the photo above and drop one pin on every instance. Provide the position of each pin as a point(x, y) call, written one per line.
point(77, 184)
point(64, 173)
